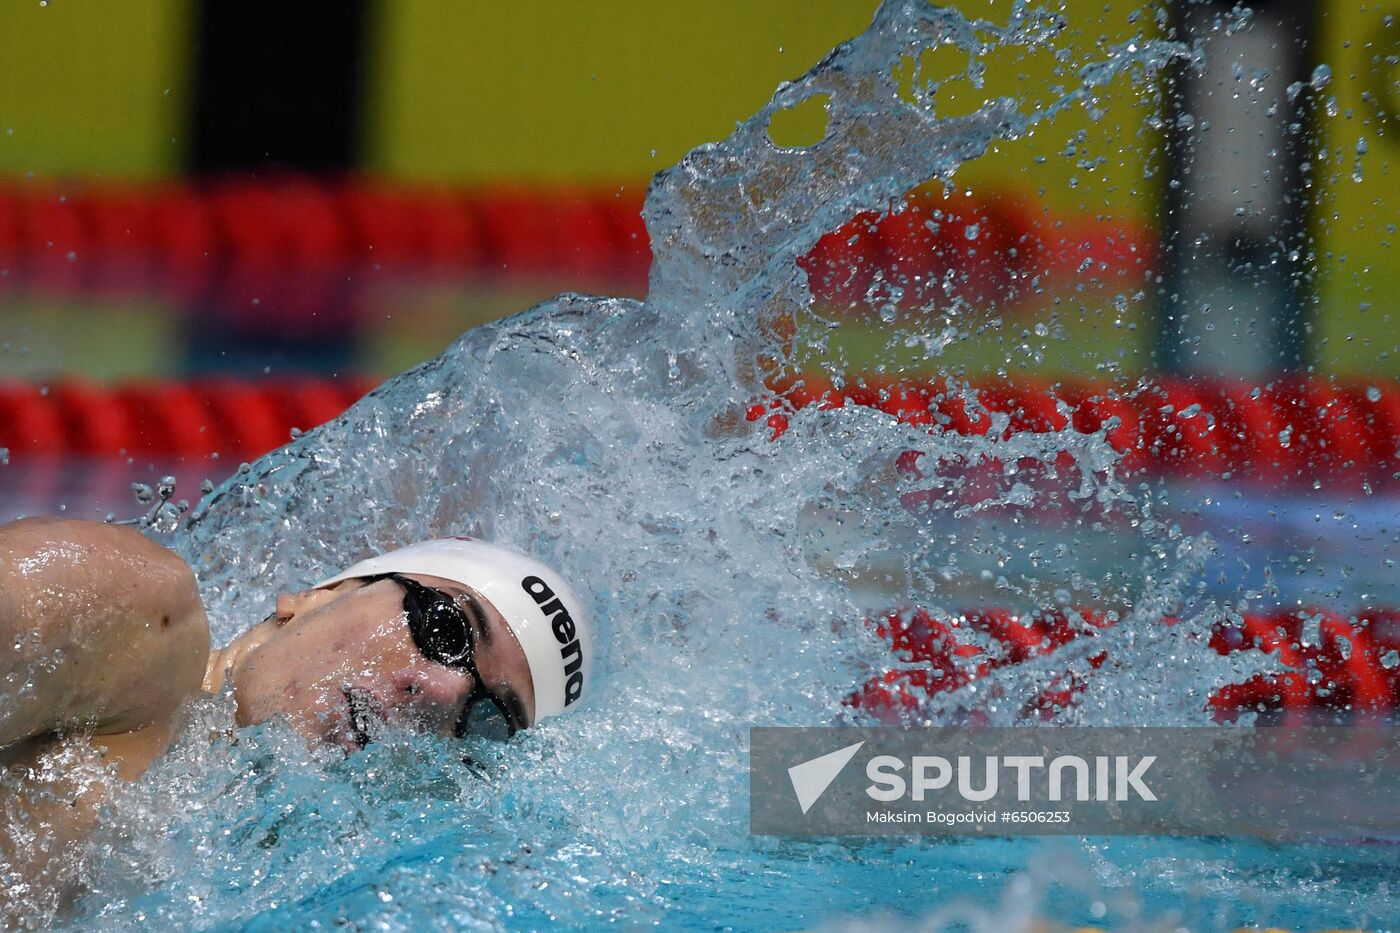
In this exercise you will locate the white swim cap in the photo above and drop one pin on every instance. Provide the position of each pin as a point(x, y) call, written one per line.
point(542, 611)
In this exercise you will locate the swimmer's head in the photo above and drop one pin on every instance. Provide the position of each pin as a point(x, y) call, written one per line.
point(448, 636)
point(538, 608)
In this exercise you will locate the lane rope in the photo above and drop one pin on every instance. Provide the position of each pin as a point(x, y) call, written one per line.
point(1288, 430)
point(1330, 661)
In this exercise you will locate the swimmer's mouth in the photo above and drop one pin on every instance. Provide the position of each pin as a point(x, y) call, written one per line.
point(363, 711)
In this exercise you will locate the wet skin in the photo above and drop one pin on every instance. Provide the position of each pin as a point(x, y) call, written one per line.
point(115, 638)
point(106, 638)
point(331, 661)
point(104, 630)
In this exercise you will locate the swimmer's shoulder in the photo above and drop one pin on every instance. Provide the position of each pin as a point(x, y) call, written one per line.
point(42, 532)
point(110, 632)
point(70, 554)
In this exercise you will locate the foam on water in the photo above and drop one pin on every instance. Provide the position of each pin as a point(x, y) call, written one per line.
point(729, 576)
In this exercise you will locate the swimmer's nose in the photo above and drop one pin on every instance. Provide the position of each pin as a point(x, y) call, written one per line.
point(291, 604)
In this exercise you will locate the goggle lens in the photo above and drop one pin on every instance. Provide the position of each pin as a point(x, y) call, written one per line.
point(440, 629)
point(442, 632)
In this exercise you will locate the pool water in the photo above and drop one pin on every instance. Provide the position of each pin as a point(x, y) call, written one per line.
point(731, 576)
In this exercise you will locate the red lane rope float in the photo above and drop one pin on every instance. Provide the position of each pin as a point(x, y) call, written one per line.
point(95, 420)
point(1289, 430)
point(167, 418)
point(292, 240)
point(942, 246)
point(221, 241)
point(1348, 664)
point(247, 417)
point(30, 423)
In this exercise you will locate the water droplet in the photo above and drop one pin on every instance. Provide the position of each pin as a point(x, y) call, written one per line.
point(1357, 174)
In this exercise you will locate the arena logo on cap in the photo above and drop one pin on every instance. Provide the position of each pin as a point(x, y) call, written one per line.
point(564, 632)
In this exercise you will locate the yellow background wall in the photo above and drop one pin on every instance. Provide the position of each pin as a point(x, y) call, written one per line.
point(612, 92)
point(550, 91)
point(1355, 218)
point(534, 91)
point(609, 92)
point(96, 87)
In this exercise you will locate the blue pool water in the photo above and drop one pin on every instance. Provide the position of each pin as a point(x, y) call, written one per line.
point(729, 576)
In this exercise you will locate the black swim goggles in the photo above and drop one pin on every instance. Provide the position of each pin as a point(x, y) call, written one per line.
point(443, 633)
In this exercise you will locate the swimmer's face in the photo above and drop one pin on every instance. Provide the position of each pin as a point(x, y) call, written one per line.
point(338, 663)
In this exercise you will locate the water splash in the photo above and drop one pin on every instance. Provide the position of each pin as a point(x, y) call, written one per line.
point(730, 576)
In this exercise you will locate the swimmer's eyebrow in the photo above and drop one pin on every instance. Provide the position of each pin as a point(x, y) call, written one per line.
point(475, 612)
point(512, 700)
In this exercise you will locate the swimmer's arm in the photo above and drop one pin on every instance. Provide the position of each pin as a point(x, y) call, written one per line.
point(102, 630)
point(52, 801)
point(52, 789)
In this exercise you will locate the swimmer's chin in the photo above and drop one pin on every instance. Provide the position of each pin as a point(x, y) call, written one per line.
point(337, 728)
point(353, 729)
point(348, 718)
point(353, 723)
point(348, 743)
point(338, 734)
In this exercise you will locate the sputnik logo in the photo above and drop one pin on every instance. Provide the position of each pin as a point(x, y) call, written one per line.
point(811, 778)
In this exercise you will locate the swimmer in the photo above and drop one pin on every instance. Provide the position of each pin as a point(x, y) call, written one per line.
point(105, 638)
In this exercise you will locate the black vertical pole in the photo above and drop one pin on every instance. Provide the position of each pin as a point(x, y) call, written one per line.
point(279, 89)
point(278, 84)
point(1237, 282)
